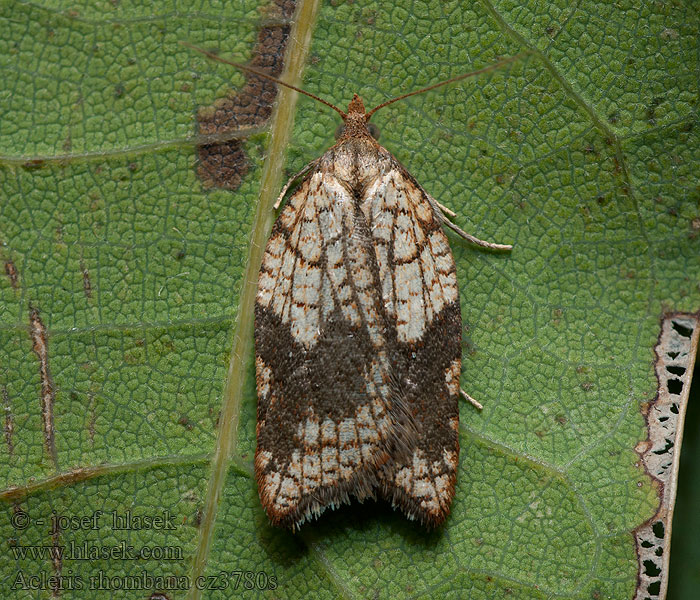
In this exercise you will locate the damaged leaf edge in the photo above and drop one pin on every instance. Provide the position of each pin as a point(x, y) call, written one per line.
point(676, 347)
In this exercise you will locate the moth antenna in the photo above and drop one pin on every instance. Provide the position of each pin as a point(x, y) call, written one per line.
point(262, 74)
point(492, 67)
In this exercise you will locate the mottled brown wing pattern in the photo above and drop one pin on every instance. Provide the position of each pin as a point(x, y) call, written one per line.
point(330, 411)
point(420, 295)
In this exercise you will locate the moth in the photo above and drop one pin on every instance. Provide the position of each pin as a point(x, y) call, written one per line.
point(358, 335)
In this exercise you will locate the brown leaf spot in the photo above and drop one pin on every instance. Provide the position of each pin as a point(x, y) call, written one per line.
point(186, 423)
point(11, 272)
point(222, 165)
point(34, 164)
point(47, 397)
point(93, 419)
point(9, 422)
point(225, 164)
point(87, 285)
point(197, 519)
point(557, 314)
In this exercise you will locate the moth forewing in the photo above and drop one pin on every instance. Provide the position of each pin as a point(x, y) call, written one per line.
point(358, 336)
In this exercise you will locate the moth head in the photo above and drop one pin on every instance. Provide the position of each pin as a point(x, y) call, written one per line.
point(356, 122)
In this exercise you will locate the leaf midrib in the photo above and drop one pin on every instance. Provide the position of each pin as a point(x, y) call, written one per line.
point(281, 124)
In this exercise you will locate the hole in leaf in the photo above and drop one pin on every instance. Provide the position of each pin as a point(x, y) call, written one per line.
point(682, 329)
point(676, 370)
point(654, 588)
point(647, 544)
point(658, 529)
point(673, 354)
point(675, 386)
point(674, 408)
point(669, 445)
point(651, 569)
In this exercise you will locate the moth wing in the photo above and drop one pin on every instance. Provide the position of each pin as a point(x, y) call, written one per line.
point(419, 289)
point(329, 411)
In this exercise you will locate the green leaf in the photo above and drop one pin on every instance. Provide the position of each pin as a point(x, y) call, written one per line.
point(139, 277)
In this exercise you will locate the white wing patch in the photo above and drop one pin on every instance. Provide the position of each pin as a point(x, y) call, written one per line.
point(416, 268)
point(329, 453)
point(319, 261)
point(452, 375)
point(432, 486)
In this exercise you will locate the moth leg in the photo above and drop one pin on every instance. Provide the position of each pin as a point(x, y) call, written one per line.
point(291, 180)
point(475, 403)
point(470, 238)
